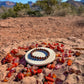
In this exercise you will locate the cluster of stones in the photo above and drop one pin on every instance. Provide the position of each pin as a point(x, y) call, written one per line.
point(41, 58)
point(15, 59)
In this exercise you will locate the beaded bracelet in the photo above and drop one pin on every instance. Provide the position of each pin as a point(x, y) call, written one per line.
point(43, 58)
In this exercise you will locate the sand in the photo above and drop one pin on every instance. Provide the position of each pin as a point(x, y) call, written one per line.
point(16, 32)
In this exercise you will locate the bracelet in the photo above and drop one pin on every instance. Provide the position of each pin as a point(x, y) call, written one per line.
point(43, 58)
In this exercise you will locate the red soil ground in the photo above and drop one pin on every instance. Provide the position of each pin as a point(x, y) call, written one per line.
point(28, 28)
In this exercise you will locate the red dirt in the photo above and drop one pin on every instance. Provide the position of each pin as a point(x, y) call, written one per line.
point(28, 28)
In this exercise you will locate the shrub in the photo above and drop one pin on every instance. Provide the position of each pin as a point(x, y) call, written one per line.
point(35, 13)
point(9, 13)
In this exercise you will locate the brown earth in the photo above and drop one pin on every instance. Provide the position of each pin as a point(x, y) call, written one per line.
point(21, 31)
point(27, 28)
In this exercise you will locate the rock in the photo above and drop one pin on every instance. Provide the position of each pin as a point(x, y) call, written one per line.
point(29, 80)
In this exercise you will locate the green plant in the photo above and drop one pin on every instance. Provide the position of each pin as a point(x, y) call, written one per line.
point(46, 5)
point(9, 13)
point(34, 13)
point(20, 6)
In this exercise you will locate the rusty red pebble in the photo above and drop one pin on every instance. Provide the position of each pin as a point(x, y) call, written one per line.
point(62, 45)
point(48, 66)
point(52, 66)
point(10, 67)
point(3, 61)
point(58, 48)
point(16, 60)
point(52, 47)
point(9, 58)
point(77, 54)
point(49, 79)
point(70, 51)
point(45, 83)
point(48, 82)
point(14, 51)
point(55, 44)
point(49, 44)
point(62, 50)
point(20, 76)
point(9, 74)
point(62, 59)
point(44, 43)
point(49, 75)
point(37, 45)
point(5, 79)
point(33, 71)
point(15, 64)
point(39, 71)
point(69, 63)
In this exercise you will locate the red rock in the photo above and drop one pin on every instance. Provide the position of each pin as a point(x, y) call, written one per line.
point(20, 76)
point(62, 45)
point(48, 66)
point(5, 80)
point(69, 63)
point(48, 82)
point(39, 71)
point(49, 75)
point(9, 68)
point(9, 75)
point(45, 82)
point(33, 71)
point(3, 61)
point(9, 58)
point(16, 64)
point(62, 50)
point(58, 55)
point(58, 48)
point(14, 51)
point(49, 79)
point(70, 51)
point(36, 45)
point(52, 66)
point(44, 43)
point(55, 44)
